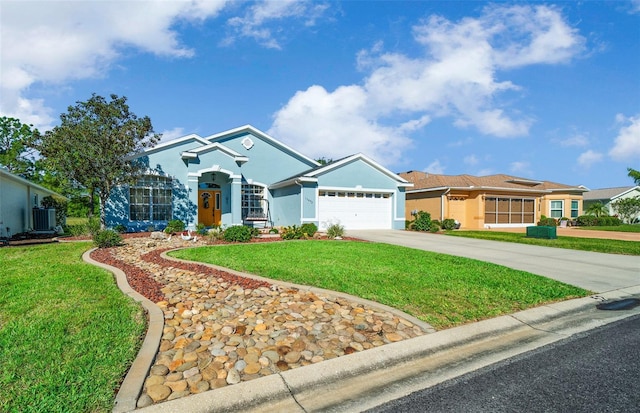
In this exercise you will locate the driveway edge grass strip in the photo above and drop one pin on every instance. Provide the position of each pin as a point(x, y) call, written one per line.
point(607, 246)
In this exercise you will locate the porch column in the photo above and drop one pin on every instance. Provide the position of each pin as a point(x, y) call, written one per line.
point(236, 199)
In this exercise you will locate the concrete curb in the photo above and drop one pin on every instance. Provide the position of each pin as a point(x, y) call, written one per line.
point(367, 379)
point(426, 327)
point(131, 388)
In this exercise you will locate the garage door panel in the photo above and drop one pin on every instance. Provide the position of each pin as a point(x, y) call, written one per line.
point(356, 212)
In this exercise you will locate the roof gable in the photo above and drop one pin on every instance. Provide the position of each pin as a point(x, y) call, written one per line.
point(248, 129)
point(312, 175)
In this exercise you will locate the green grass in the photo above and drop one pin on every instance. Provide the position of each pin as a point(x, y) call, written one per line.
point(67, 333)
point(608, 246)
point(442, 290)
point(617, 228)
point(77, 221)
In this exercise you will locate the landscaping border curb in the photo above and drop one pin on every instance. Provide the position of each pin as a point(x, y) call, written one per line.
point(131, 387)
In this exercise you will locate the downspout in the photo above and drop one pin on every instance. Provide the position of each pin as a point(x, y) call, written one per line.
point(442, 204)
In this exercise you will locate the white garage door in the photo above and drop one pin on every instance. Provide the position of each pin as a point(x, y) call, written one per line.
point(355, 210)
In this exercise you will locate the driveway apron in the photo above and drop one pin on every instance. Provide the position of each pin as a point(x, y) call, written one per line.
point(593, 271)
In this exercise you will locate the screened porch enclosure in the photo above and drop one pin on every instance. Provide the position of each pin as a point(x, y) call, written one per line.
point(503, 210)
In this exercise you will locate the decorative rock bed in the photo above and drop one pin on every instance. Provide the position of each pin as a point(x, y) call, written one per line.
point(221, 329)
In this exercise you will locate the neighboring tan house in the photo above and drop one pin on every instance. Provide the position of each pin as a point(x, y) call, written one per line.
point(608, 196)
point(492, 201)
point(18, 198)
point(245, 177)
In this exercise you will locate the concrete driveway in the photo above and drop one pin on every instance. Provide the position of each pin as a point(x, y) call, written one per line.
point(593, 271)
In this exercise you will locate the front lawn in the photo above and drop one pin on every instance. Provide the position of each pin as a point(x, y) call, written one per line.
point(608, 246)
point(617, 228)
point(440, 289)
point(67, 333)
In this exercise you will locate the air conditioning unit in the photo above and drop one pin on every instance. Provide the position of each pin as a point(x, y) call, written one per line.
point(44, 219)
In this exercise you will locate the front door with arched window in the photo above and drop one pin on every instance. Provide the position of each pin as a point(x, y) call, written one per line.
point(209, 207)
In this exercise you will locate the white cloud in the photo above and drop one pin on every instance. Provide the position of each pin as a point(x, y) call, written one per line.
point(455, 77)
point(588, 158)
point(521, 168)
point(435, 167)
point(627, 143)
point(577, 140)
point(255, 24)
point(53, 42)
point(171, 134)
point(471, 160)
point(635, 6)
point(334, 124)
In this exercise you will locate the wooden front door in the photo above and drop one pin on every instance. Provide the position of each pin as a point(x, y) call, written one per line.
point(209, 207)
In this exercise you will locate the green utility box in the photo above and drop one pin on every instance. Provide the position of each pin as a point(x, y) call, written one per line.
point(542, 232)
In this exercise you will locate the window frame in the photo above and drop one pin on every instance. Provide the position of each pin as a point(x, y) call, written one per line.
point(553, 211)
point(151, 199)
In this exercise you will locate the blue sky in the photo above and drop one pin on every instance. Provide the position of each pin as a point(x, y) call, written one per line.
point(539, 90)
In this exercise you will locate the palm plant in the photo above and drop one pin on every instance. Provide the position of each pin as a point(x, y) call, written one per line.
point(598, 209)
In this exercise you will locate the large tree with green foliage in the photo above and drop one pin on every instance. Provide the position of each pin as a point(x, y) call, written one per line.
point(635, 175)
point(94, 143)
point(16, 143)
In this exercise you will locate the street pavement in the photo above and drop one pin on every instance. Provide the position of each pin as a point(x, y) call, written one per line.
point(595, 371)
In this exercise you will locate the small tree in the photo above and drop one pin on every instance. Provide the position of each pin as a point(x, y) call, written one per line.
point(635, 175)
point(16, 143)
point(627, 208)
point(94, 143)
point(597, 209)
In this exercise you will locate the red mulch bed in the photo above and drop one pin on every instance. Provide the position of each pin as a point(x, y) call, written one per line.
point(140, 280)
point(143, 282)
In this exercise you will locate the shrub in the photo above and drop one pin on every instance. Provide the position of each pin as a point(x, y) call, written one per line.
point(434, 227)
point(292, 232)
point(174, 226)
point(335, 231)
point(274, 231)
point(608, 221)
point(422, 221)
point(547, 222)
point(76, 230)
point(201, 229)
point(216, 233)
point(107, 238)
point(449, 224)
point(238, 233)
point(587, 220)
point(120, 229)
point(93, 226)
point(308, 229)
